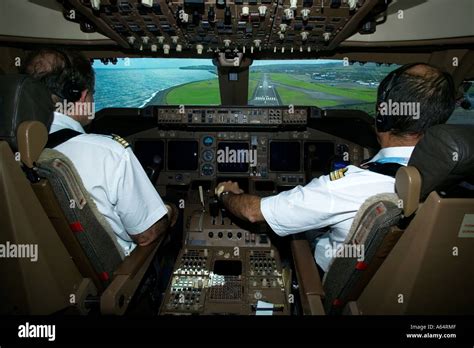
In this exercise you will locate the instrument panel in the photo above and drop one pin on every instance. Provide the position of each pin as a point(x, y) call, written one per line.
point(269, 146)
point(231, 116)
point(227, 266)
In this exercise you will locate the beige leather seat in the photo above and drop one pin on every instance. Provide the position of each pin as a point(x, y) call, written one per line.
point(65, 269)
point(422, 263)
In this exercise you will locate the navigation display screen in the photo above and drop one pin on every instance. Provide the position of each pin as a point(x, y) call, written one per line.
point(150, 153)
point(233, 157)
point(183, 155)
point(285, 156)
point(318, 156)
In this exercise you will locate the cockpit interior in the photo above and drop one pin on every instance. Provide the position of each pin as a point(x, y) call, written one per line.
point(268, 94)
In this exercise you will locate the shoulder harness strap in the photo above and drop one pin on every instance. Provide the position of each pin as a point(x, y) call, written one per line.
point(61, 136)
point(389, 168)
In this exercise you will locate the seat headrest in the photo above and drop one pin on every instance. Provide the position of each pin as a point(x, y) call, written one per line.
point(444, 157)
point(22, 98)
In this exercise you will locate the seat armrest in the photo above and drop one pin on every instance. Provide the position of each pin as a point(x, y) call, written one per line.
point(132, 264)
point(117, 296)
point(310, 286)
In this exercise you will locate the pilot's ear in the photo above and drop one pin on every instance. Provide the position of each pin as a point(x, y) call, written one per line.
point(84, 94)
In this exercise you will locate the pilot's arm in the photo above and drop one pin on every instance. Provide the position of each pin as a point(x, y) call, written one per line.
point(157, 229)
point(243, 206)
point(144, 215)
point(300, 209)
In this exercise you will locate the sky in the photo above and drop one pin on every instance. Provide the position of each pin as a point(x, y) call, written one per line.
point(168, 63)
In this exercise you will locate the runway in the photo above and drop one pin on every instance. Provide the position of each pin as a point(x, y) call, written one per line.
point(265, 93)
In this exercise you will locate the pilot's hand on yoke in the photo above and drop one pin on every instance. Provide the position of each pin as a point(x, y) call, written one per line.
point(228, 186)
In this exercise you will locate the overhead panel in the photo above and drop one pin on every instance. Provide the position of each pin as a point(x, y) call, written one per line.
point(203, 27)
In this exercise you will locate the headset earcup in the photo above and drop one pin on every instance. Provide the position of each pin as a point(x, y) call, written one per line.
point(72, 92)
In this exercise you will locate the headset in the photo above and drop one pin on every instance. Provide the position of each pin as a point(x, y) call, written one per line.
point(71, 90)
point(384, 123)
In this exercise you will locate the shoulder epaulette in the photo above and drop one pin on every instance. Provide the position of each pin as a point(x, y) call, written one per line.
point(337, 174)
point(120, 140)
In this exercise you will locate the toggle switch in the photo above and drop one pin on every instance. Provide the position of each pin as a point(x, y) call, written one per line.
point(166, 49)
point(184, 17)
point(304, 35)
point(305, 14)
point(262, 10)
point(289, 15)
point(95, 4)
point(220, 4)
point(293, 4)
point(199, 48)
point(283, 27)
point(245, 11)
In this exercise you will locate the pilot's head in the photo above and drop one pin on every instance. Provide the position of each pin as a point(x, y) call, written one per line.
point(70, 77)
point(410, 100)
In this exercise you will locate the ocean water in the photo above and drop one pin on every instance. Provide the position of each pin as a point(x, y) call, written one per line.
point(136, 87)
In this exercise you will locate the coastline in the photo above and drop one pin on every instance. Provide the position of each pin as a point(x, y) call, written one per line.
point(160, 97)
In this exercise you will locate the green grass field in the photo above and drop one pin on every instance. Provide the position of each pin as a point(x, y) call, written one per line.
point(195, 93)
point(252, 85)
point(289, 96)
point(369, 108)
point(363, 94)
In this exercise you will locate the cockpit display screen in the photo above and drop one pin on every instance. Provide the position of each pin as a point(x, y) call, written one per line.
point(234, 157)
point(183, 155)
point(285, 156)
point(150, 153)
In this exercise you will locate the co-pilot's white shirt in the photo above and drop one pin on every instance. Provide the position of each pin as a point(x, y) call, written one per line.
point(331, 204)
point(115, 180)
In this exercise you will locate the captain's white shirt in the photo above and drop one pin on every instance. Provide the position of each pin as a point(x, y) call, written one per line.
point(330, 204)
point(115, 180)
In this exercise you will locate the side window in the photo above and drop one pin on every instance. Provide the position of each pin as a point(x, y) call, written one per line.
point(463, 115)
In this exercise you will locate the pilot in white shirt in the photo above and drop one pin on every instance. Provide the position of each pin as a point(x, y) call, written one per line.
point(330, 201)
point(116, 182)
point(333, 200)
point(108, 168)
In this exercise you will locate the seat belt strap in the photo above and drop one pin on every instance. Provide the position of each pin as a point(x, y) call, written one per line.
point(388, 168)
point(61, 136)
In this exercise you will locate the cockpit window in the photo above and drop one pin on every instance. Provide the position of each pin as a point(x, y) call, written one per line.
point(322, 83)
point(137, 82)
point(464, 112)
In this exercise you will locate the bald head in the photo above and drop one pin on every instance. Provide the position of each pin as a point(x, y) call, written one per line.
point(426, 88)
point(423, 70)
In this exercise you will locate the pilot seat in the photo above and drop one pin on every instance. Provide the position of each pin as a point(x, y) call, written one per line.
point(79, 262)
point(418, 242)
